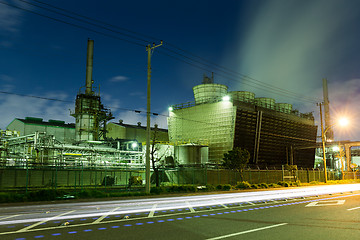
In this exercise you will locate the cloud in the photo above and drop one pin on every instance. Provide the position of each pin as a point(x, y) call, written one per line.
point(138, 94)
point(13, 106)
point(118, 79)
point(294, 44)
point(6, 78)
point(10, 18)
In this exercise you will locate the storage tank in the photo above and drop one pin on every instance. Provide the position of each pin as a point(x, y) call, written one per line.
point(209, 92)
point(191, 154)
point(243, 96)
point(283, 107)
point(265, 102)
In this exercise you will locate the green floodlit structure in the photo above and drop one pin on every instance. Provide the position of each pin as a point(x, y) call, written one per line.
point(273, 133)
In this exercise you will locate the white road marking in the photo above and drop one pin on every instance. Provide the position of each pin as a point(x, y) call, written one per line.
point(104, 216)
point(353, 208)
point(152, 212)
point(325, 203)
point(190, 207)
point(248, 231)
point(46, 220)
point(10, 216)
point(219, 203)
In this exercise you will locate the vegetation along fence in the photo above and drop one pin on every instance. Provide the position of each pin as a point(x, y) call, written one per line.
point(81, 177)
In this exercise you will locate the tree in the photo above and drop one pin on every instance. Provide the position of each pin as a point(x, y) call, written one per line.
point(236, 159)
point(153, 150)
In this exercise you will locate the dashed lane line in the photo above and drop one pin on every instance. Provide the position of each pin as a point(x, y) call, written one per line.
point(46, 220)
point(105, 215)
point(152, 212)
point(224, 206)
point(350, 209)
point(190, 207)
point(247, 231)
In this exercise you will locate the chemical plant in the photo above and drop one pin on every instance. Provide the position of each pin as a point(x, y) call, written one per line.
point(199, 132)
point(32, 141)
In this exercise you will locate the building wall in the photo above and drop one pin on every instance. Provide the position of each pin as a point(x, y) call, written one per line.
point(62, 134)
point(279, 133)
point(211, 124)
point(125, 131)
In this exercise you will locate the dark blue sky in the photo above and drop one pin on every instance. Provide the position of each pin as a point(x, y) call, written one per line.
point(287, 45)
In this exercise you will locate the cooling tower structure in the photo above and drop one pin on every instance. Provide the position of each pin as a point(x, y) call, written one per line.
point(242, 96)
point(265, 102)
point(283, 107)
point(209, 91)
point(89, 113)
point(270, 131)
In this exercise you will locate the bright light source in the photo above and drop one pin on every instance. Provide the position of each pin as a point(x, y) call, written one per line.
point(335, 148)
point(343, 121)
point(134, 145)
point(171, 108)
point(226, 98)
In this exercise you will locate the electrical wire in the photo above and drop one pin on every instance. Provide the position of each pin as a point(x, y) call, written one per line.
point(235, 75)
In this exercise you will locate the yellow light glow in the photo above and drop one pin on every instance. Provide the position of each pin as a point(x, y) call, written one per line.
point(226, 98)
point(335, 148)
point(343, 121)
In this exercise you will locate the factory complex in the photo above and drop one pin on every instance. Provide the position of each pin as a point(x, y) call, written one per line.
point(199, 132)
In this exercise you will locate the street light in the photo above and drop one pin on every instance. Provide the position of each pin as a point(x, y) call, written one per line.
point(341, 122)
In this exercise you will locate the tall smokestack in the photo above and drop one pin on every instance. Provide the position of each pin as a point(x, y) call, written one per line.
point(89, 66)
point(330, 132)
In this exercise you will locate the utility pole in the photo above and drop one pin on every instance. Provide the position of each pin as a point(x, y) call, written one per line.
point(323, 132)
point(150, 50)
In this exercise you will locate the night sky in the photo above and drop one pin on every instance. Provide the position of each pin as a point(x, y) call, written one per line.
point(279, 48)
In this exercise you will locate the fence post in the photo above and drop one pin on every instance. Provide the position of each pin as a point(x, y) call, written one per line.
point(56, 174)
point(27, 175)
point(82, 176)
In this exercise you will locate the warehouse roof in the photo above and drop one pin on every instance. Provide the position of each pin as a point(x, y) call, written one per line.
point(51, 122)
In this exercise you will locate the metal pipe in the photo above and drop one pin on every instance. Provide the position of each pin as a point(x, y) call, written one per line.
point(89, 66)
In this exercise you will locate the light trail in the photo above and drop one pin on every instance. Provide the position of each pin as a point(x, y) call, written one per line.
point(168, 203)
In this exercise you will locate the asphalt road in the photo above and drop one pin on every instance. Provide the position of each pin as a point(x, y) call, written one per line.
point(329, 212)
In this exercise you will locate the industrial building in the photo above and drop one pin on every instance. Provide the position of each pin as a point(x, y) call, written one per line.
point(121, 130)
point(88, 142)
point(64, 132)
point(273, 133)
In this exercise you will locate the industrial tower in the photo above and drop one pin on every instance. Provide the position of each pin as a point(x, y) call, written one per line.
point(90, 114)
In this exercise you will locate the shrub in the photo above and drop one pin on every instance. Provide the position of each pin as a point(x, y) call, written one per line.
point(108, 181)
point(210, 187)
point(314, 182)
point(157, 190)
point(226, 187)
point(219, 187)
point(243, 185)
point(264, 185)
point(255, 186)
point(274, 185)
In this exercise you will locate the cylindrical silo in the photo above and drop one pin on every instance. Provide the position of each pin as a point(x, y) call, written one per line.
point(242, 96)
point(209, 92)
point(265, 102)
point(283, 107)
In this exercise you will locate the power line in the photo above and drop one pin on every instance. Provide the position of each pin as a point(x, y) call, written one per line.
point(243, 78)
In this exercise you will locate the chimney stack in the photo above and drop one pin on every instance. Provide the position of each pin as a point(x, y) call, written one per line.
point(89, 66)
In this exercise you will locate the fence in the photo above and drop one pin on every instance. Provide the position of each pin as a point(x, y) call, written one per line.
point(104, 177)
